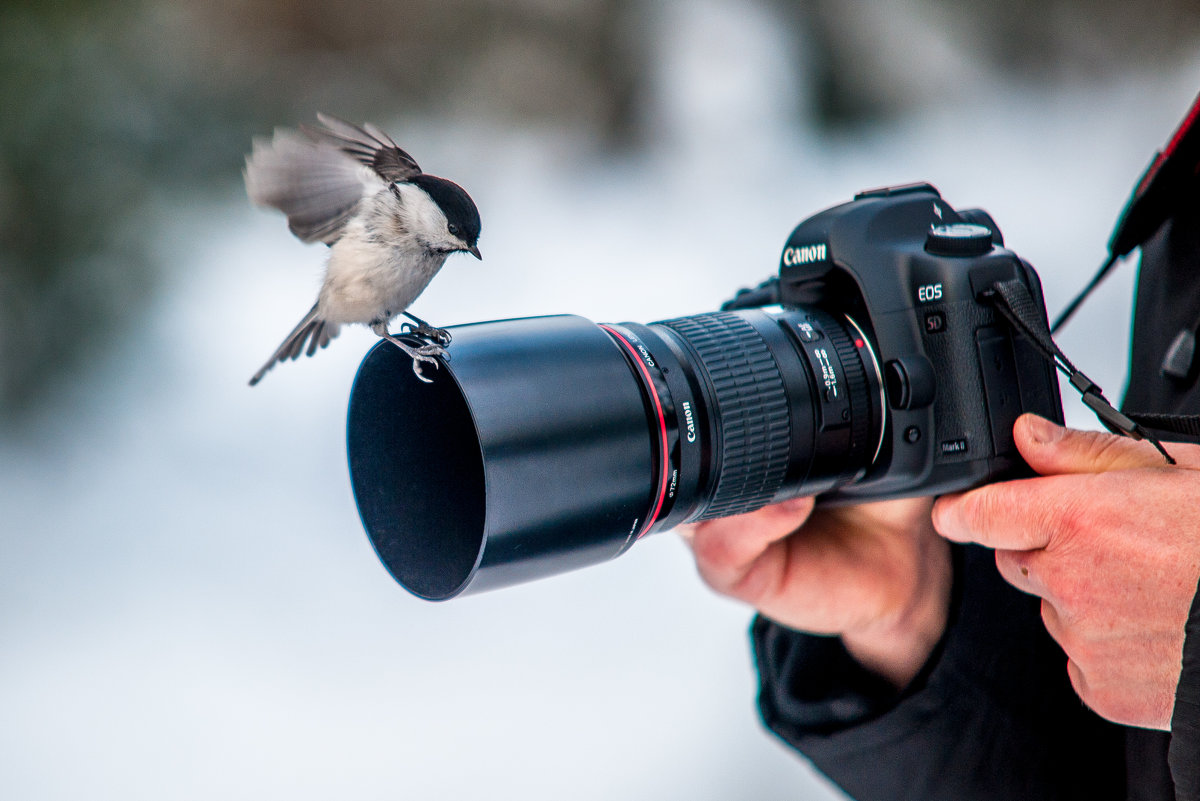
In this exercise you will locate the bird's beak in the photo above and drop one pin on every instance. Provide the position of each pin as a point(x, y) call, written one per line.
point(474, 251)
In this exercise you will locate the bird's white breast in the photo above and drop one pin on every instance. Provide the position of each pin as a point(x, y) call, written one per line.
point(378, 266)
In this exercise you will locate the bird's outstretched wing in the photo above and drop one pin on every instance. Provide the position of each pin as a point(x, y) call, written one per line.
point(368, 144)
point(314, 183)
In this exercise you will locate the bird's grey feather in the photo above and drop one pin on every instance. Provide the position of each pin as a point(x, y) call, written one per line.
point(321, 336)
point(369, 145)
point(311, 329)
point(316, 185)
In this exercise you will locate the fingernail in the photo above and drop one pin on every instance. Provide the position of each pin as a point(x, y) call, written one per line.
point(1042, 431)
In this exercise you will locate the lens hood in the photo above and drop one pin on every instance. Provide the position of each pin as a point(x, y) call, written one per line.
point(529, 454)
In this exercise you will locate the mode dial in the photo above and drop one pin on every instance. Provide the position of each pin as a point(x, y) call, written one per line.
point(959, 239)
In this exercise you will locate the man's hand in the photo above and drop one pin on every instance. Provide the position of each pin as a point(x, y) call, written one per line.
point(876, 574)
point(1109, 538)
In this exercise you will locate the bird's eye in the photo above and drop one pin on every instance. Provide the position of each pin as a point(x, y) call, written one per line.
point(452, 228)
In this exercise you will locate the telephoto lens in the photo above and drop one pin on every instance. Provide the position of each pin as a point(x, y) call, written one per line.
point(548, 444)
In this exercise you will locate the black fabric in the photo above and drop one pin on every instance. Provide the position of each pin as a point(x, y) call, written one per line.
point(1147, 778)
point(1184, 754)
point(1168, 301)
point(993, 715)
point(1178, 427)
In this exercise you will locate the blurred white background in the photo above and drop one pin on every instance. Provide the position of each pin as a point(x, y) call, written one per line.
point(189, 608)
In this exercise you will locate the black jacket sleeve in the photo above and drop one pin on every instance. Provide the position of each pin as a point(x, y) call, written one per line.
point(992, 716)
point(1184, 754)
point(1168, 308)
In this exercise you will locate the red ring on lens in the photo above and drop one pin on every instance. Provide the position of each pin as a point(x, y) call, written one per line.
point(663, 459)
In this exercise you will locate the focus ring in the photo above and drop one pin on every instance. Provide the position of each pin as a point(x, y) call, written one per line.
point(751, 410)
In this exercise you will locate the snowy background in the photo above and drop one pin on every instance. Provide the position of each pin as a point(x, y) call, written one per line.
point(189, 608)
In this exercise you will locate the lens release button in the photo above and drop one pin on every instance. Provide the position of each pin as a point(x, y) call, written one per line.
point(909, 382)
point(899, 391)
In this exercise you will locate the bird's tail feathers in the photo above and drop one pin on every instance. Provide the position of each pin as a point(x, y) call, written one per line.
point(312, 330)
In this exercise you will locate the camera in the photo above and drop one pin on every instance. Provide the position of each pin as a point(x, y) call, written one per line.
point(876, 365)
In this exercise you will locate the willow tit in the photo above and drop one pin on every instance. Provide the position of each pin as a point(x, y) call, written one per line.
point(388, 225)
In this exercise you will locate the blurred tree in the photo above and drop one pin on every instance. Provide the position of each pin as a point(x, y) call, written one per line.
point(110, 105)
point(868, 61)
point(563, 62)
point(100, 117)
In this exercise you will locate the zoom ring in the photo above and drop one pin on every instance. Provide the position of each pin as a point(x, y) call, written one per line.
point(750, 408)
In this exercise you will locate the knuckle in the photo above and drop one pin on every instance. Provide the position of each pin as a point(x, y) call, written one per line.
point(1066, 518)
point(1063, 634)
point(1108, 451)
point(1050, 619)
point(724, 567)
point(1009, 564)
point(1076, 638)
point(1096, 695)
point(1079, 681)
point(1016, 568)
point(711, 547)
point(717, 576)
point(1102, 447)
point(981, 505)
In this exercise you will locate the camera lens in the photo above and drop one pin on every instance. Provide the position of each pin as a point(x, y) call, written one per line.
point(761, 407)
point(552, 443)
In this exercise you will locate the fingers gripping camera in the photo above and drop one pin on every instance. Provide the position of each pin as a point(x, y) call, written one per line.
point(873, 367)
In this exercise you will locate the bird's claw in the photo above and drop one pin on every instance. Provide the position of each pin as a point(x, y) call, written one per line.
point(425, 353)
point(427, 332)
point(419, 354)
point(417, 367)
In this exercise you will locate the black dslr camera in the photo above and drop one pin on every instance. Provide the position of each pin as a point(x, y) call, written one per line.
point(875, 366)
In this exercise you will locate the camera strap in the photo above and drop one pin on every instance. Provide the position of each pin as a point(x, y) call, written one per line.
point(1013, 300)
point(1172, 174)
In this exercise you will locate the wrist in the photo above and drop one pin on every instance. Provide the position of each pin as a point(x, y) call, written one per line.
point(897, 646)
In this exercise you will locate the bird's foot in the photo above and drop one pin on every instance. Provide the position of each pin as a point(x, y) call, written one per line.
point(422, 353)
point(424, 330)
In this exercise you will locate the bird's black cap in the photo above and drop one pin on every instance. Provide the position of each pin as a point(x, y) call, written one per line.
point(454, 202)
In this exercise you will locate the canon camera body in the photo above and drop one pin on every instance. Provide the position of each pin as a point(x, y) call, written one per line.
point(915, 275)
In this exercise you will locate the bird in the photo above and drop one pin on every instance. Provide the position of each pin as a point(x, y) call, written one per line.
point(389, 226)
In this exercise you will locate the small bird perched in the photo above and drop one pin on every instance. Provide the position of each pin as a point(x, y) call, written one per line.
point(388, 225)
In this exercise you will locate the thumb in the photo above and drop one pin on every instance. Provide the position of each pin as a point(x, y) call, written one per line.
point(1051, 449)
